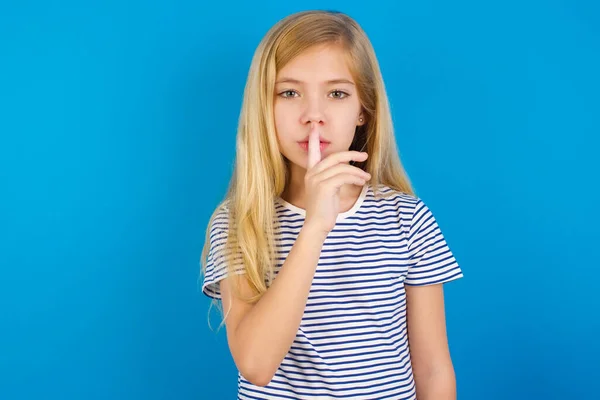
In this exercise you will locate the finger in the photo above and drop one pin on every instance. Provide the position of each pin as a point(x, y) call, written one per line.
point(314, 147)
point(339, 180)
point(341, 169)
point(341, 157)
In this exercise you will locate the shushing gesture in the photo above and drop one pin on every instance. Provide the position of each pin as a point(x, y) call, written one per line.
point(323, 181)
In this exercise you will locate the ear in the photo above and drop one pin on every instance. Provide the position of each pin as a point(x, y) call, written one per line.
point(361, 120)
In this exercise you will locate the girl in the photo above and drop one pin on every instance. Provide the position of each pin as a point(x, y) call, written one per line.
point(329, 269)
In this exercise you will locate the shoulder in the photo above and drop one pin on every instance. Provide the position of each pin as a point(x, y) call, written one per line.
point(219, 220)
point(404, 203)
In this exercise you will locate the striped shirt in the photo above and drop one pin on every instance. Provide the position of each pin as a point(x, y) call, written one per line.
point(352, 342)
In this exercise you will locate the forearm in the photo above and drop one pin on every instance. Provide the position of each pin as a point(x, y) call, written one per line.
point(267, 332)
point(439, 384)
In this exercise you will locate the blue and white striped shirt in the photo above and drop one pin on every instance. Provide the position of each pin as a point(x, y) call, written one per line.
point(352, 342)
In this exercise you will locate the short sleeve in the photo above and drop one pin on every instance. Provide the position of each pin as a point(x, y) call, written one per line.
point(216, 262)
point(431, 261)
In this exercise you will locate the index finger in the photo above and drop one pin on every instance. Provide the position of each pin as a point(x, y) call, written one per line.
point(314, 147)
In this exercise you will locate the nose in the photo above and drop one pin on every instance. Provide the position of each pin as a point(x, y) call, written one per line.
point(313, 111)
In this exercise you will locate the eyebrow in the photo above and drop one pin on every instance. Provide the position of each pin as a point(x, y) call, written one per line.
point(329, 82)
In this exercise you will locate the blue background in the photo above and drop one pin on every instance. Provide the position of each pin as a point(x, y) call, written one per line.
point(117, 124)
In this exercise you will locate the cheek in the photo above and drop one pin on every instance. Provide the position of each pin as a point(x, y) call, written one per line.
point(282, 120)
point(345, 123)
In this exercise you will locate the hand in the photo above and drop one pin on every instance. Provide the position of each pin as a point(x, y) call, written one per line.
point(323, 181)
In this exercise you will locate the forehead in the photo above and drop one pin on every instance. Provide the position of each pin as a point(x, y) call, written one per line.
point(318, 63)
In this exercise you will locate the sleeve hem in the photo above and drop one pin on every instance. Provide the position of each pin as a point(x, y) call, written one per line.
point(428, 282)
point(212, 289)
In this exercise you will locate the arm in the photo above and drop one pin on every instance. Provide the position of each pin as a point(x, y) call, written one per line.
point(260, 335)
point(428, 343)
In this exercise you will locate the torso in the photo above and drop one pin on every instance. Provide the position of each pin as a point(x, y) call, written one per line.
point(352, 341)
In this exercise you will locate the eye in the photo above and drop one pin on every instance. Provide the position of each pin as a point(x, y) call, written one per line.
point(338, 94)
point(286, 94)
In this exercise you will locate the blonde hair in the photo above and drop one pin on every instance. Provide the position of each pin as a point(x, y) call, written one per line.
point(260, 170)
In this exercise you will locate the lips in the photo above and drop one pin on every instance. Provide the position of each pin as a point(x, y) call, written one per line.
point(322, 145)
point(321, 140)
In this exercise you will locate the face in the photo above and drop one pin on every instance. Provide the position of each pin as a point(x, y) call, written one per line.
point(316, 87)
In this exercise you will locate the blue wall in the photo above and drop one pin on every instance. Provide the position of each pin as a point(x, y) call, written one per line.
point(117, 125)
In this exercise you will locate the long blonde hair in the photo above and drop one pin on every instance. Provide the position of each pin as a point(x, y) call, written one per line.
point(260, 170)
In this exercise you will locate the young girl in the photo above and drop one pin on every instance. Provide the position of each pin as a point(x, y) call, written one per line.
point(328, 267)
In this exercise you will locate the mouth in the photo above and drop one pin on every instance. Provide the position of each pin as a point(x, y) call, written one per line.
point(322, 145)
